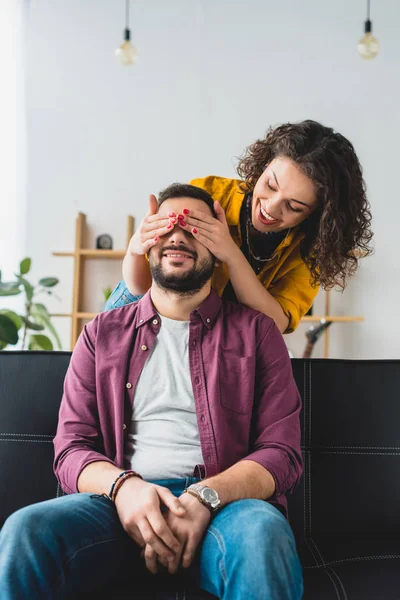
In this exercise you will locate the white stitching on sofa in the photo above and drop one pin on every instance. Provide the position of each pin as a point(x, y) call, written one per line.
point(361, 453)
point(29, 435)
point(28, 441)
point(340, 581)
point(334, 584)
point(362, 447)
point(357, 558)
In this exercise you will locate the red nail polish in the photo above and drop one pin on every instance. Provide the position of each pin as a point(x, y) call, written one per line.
point(182, 222)
point(185, 211)
point(194, 230)
point(156, 238)
point(180, 216)
point(171, 214)
point(173, 221)
point(169, 226)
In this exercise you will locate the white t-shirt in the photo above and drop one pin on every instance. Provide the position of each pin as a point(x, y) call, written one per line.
point(163, 439)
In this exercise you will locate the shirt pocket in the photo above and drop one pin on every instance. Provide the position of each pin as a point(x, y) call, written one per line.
point(236, 382)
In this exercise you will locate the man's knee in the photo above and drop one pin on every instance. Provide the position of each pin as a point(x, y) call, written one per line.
point(24, 524)
point(254, 526)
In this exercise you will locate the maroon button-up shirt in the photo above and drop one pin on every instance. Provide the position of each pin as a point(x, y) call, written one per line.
point(247, 402)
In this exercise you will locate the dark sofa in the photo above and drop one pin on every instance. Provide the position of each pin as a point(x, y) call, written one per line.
point(345, 513)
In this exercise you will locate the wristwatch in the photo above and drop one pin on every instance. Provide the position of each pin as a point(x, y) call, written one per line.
point(206, 495)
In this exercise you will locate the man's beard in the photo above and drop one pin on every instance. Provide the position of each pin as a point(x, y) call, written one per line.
point(190, 282)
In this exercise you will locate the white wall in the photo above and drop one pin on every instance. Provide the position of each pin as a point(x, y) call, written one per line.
point(212, 76)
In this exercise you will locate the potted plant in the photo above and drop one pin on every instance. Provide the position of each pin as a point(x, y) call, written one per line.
point(27, 328)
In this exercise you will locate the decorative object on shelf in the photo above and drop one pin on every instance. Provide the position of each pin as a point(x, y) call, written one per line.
point(126, 54)
point(15, 327)
point(80, 256)
point(313, 334)
point(104, 242)
point(368, 46)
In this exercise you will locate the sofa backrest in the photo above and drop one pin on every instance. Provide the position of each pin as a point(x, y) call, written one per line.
point(350, 439)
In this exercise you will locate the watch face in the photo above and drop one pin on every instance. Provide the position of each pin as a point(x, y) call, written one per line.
point(210, 496)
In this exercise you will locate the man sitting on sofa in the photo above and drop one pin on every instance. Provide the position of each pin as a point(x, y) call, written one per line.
point(180, 418)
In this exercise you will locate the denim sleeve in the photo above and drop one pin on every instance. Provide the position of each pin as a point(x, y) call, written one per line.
point(120, 296)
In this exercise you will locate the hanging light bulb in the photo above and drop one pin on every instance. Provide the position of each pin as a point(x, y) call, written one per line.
point(126, 54)
point(368, 46)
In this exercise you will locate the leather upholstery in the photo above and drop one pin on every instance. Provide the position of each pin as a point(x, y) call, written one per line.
point(345, 513)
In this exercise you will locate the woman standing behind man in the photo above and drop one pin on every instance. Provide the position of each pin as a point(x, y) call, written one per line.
point(297, 219)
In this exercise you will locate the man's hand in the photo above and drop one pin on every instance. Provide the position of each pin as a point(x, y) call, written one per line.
point(188, 529)
point(151, 228)
point(138, 504)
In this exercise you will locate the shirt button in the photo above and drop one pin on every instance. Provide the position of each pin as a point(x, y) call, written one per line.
point(124, 426)
point(144, 347)
point(129, 385)
point(209, 458)
point(202, 418)
point(141, 321)
point(197, 380)
point(155, 322)
point(194, 343)
point(208, 320)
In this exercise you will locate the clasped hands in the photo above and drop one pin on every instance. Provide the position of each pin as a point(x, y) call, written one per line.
point(168, 538)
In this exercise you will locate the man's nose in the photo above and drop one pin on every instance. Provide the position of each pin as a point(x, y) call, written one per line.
point(179, 236)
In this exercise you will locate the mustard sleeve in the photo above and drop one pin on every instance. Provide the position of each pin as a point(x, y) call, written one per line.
point(295, 294)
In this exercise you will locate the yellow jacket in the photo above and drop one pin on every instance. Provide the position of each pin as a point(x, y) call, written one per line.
point(286, 276)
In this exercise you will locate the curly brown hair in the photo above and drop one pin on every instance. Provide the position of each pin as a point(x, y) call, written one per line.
point(338, 233)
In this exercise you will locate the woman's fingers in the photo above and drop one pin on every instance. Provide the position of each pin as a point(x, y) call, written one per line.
point(197, 214)
point(152, 232)
point(219, 211)
point(199, 231)
point(155, 221)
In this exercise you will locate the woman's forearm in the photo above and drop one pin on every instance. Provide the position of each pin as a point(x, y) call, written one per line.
point(250, 291)
point(136, 272)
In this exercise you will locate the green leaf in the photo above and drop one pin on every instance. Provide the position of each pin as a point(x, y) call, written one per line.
point(16, 319)
point(28, 288)
point(48, 281)
point(31, 325)
point(40, 314)
point(8, 330)
point(9, 289)
point(25, 266)
point(40, 342)
point(3, 345)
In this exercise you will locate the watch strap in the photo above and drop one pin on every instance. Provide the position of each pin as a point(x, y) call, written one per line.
point(200, 499)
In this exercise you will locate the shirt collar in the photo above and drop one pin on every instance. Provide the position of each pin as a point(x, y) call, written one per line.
point(208, 310)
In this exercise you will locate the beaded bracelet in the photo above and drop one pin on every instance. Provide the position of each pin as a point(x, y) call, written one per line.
point(119, 481)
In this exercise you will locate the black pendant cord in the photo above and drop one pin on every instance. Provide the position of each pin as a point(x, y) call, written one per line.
point(127, 32)
point(368, 22)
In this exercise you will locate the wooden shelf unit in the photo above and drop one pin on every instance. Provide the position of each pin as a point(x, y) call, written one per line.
point(81, 254)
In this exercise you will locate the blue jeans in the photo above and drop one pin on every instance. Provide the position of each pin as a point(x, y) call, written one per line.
point(75, 544)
